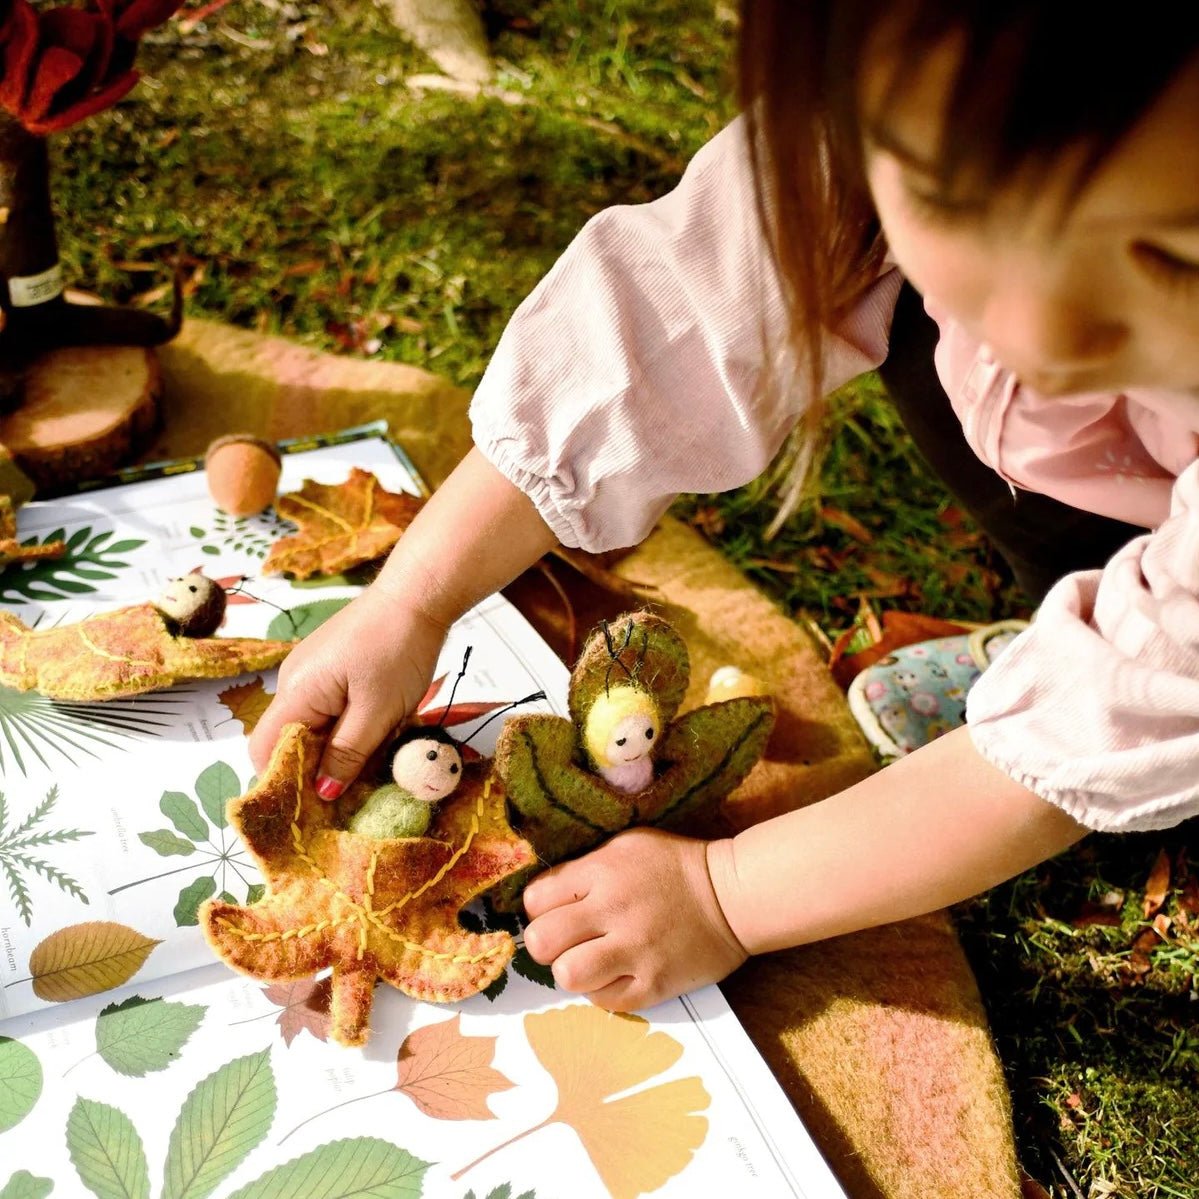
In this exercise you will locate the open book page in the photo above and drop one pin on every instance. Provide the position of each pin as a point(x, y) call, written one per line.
point(134, 1064)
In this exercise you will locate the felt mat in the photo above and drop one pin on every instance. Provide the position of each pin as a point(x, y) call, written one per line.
point(880, 1038)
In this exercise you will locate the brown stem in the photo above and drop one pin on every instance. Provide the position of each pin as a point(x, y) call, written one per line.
point(510, 1141)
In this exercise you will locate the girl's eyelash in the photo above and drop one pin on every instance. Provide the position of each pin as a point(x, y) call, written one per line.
point(1165, 268)
point(940, 209)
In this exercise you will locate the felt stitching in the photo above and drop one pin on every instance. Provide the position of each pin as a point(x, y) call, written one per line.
point(557, 803)
point(103, 653)
point(296, 498)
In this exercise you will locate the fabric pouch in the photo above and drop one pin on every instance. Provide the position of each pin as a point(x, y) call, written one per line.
point(918, 692)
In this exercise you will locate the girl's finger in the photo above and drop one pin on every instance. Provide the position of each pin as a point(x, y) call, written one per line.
point(560, 929)
point(286, 708)
point(587, 968)
point(359, 731)
point(557, 886)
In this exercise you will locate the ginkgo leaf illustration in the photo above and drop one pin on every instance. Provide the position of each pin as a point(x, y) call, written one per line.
point(637, 1139)
point(349, 1169)
point(20, 1082)
point(247, 702)
point(566, 807)
point(305, 1006)
point(202, 837)
point(128, 651)
point(341, 525)
point(447, 1075)
point(23, 1185)
point(85, 959)
point(21, 851)
point(369, 908)
point(140, 1035)
point(106, 1151)
point(226, 1116)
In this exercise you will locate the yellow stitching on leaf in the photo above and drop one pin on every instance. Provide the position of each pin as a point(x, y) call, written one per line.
point(103, 653)
point(296, 498)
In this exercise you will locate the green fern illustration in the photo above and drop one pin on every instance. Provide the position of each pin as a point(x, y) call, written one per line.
point(16, 856)
point(88, 559)
point(252, 535)
point(202, 834)
point(31, 724)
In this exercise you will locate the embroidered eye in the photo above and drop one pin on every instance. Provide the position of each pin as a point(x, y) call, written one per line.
point(192, 587)
point(454, 768)
point(432, 755)
point(621, 740)
point(649, 733)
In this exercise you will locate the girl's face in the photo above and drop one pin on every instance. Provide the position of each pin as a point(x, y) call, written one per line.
point(1094, 293)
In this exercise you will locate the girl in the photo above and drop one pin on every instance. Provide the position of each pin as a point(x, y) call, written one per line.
point(1031, 171)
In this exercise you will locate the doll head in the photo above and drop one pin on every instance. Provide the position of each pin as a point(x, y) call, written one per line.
point(193, 605)
point(426, 762)
point(622, 726)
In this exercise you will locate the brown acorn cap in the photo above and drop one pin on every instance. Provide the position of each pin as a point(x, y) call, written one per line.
point(242, 439)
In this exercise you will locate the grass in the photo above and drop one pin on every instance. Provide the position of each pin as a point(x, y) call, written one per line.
point(312, 193)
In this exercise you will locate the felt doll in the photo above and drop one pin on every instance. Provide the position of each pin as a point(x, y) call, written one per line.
point(193, 605)
point(426, 766)
point(619, 734)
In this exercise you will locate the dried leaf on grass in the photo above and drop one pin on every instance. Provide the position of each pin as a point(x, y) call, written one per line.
point(1157, 886)
point(340, 525)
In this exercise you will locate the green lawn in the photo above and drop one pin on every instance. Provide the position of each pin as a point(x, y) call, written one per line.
point(314, 194)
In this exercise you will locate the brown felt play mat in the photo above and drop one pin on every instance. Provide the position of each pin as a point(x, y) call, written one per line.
point(879, 1039)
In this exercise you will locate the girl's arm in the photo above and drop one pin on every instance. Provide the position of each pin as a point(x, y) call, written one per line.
point(650, 915)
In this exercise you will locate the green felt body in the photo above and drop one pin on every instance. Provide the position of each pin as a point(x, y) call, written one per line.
point(392, 812)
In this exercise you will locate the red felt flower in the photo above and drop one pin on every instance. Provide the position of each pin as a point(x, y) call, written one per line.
point(62, 64)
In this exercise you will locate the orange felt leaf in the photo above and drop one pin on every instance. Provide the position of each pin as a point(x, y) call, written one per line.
point(247, 702)
point(341, 525)
point(11, 550)
point(124, 652)
point(449, 1076)
point(369, 908)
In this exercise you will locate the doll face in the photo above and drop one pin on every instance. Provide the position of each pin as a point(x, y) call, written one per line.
point(195, 603)
point(631, 738)
point(427, 769)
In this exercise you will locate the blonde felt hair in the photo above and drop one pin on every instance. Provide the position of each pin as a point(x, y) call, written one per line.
point(609, 709)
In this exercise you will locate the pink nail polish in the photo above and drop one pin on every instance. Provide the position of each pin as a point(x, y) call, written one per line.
point(329, 788)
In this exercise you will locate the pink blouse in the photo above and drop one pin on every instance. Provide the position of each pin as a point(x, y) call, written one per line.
point(650, 361)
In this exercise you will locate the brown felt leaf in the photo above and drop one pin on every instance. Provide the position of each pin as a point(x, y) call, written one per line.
point(84, 959)
point(369, 908)
point(341, 525)
point(247, 702)
point(11, 550)
point(1157, 886)
point(305, 1005)
point(449, 1076)
point(121, 653)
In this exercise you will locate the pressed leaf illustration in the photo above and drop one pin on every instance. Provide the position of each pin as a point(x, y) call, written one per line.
point(35, 724)
point(565, 807)
point(249, 535)
point(106, 1151)
point(503, 1191)
point(369, 908)
point(305, 1006)
point(20, 1082)
point(493, 920)
point(121, 653)
point(200, 833)
point(139, 1035)
point(350, 1169)
point(340, 526)
point(637, 1140)
point(12, 550)
point(247, 702)
point(86, 559)
point(85, 959)
point(23, 1185)
point(21, 851)
point(303, 619)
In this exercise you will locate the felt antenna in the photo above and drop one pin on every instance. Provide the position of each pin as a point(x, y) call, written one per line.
point(516, 703)
point(238, 589)
point(454, 689)
point(615, 653)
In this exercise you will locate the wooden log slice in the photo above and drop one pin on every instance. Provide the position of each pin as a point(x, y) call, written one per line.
point(86, 411)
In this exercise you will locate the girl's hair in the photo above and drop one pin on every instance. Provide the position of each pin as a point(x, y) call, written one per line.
point(1033, 78)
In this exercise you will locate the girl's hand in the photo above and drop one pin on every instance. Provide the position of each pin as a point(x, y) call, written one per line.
point(360, 674)
point(633, 923)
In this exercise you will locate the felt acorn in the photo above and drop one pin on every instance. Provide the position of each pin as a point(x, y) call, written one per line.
point(619, 734)
point(193, 604)
point(242, 473)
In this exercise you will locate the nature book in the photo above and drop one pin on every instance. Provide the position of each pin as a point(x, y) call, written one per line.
point(135, 1065)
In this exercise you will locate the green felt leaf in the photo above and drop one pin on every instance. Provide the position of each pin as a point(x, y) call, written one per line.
point(215, 786)
point(23, 1185)
point(182, 812)
point(221, 1121)
point(20, 1082)
point(360, 1166)
point(166, 843)
point(190, 898)
point(141, 1035)
point(304, 619)
point(106, 1151)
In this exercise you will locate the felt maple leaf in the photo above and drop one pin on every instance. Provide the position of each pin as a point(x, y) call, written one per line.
point(369, 908)
point(11, 550)
point(566, 808)
point(637, 1140)
point(124, 652)
point(341, 525)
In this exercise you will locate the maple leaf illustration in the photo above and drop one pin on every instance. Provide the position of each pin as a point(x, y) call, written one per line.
point(304, 1007)
point(125, 652)
point(247, 702)
point(369, 908)
point(341, 525)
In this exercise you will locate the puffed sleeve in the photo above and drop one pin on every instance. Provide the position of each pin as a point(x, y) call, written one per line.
point(1096, 706)
point(634, 370)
